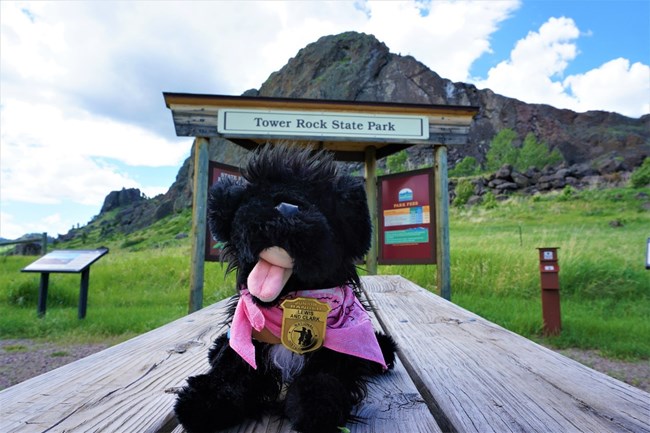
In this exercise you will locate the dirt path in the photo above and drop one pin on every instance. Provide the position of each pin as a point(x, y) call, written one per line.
point(635, 373)
point(22, 359)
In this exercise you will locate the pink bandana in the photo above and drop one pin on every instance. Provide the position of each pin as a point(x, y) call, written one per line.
point(349, 329)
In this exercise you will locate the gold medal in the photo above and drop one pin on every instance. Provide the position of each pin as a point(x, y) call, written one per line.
point(304, 321)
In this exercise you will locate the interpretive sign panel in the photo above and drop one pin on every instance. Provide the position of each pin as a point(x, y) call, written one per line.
point(322, 124)
point(66, 261)
point(215, 171)
point(406, 218)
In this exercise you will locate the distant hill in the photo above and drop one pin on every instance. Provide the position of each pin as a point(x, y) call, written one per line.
point(357, 67)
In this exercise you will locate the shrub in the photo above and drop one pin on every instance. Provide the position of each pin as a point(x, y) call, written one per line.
point(489, 201)
point(567, 194)
point(641, 176)
point(468, 166)
point(536, 154)
point(464, 191)
point(533, 153)
point(396, 162)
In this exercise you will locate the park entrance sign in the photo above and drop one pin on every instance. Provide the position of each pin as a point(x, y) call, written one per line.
point(278, 123)
point(358, 131)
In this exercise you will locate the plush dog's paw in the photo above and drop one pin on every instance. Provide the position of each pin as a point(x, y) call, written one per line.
point(200, 409)
point(318, 403)
point(388, 348)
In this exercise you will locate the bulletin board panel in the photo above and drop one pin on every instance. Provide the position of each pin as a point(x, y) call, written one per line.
point(66, 261)
point(215, 171)
point(407, 231)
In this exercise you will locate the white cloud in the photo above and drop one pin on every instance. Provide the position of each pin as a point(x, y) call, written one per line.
point(617, 85)
point(535, 74)
point(10, 230)
point(534, 62)
point(152, 191)
point(446, 36)
point(13, 227)
point(49, 155)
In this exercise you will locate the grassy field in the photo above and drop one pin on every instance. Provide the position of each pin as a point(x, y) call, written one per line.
point(143, 282)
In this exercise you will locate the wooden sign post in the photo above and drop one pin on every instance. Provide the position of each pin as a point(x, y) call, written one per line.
point(352, 130)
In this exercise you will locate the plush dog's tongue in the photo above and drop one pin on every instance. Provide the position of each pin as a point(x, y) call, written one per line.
point(270, 274)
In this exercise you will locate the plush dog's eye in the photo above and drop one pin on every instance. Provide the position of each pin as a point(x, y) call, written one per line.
point(287, 209)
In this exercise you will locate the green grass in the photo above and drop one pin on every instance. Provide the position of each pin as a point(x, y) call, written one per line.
point(15, 348)
point(143, 282)
point(130, 293)
point(605, 288)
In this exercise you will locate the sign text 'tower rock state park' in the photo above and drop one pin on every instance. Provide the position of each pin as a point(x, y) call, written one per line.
point(322, 124)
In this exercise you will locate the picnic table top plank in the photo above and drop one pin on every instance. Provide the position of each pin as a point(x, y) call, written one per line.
point(485, 378)
point(118, 389)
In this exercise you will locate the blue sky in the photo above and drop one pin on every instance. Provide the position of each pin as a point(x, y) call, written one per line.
point(609, 29)
point(81, 107)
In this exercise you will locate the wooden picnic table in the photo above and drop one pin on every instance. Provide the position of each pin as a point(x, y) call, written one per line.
point(457, 373)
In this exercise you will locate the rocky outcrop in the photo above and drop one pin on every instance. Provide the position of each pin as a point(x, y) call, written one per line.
point(507, 180)
point(125, 197)
point(31, 249)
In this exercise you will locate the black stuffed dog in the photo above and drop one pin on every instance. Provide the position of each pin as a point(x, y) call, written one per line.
point(300, 342)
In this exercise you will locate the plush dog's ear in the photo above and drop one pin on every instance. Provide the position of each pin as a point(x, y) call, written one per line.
point(224, 199)
point(353, 218)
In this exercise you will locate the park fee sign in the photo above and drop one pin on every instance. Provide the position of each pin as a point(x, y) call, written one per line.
point(331, 125)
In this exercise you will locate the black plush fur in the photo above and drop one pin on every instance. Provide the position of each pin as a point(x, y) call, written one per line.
point(329, 232)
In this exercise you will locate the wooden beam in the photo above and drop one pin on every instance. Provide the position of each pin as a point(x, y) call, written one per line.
point(199, 215)
point(443, 261)
point(371, 192)
point(214, 102)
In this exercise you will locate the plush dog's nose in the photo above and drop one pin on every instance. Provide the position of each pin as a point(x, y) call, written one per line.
point(287, 209)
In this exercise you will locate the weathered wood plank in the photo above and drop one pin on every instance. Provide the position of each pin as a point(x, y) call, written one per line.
point(460, 115)
point(121, 389)
point(199, 222)
point(195, 128)
point(441, 209)
point(483, 378)
point(370, 171)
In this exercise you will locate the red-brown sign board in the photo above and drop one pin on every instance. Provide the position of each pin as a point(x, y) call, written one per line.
point(215, 171)
point(407, 218)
